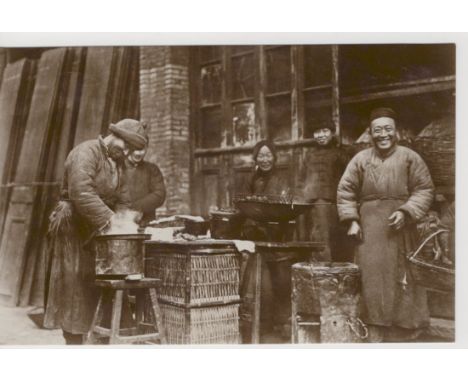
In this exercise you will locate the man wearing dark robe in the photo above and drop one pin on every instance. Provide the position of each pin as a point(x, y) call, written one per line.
point(146, 185)
point(384, 191)
point(321, 171)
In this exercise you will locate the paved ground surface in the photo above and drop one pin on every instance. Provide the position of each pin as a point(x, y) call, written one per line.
point(16, 328)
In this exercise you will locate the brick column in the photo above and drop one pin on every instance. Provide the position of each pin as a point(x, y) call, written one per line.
point(164, 103)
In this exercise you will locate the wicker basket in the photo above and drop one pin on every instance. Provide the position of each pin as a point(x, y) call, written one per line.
point(197, 277)
point(203, 325)
point(436, 145)
point(195, 273)
point(427, 275)
point(199, 290)
point(439, 155)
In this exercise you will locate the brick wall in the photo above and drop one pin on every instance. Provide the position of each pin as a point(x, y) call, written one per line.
point(164, 105)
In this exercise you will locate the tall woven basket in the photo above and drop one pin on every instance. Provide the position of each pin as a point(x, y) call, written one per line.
point(217, 324)
point(199, 292)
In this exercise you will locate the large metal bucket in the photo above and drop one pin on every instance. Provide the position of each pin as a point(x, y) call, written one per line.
point(326, 302)
point(120, 255)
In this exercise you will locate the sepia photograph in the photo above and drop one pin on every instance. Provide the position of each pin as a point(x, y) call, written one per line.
point(221, 194)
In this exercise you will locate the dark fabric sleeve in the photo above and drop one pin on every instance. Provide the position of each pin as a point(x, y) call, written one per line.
point(344, 158)
point(347, 193)
point(299, 187)
point(156, 197)
point(82, 170)
point(123, 193)
point(249, 184)
point(420, 187)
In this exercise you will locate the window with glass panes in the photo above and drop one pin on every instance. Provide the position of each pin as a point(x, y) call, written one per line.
point(247, 93)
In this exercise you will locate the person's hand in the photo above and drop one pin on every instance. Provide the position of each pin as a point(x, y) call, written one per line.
point(138, 217)
point(397, 220)
point(286, 197)
point(105, 228)
point(355, 231)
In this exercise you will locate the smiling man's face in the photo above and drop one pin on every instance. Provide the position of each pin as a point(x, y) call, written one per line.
point(383, 133)
point(323, 136)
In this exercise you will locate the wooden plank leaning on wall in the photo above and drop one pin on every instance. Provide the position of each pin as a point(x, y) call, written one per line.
point(33, 278)
point(29, 175)
point(96, 82)
point(109, 92)
point(120, 99)
point(15, 97)
point(74, 107)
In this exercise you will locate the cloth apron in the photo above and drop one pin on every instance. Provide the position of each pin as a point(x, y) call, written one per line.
point(389, 294)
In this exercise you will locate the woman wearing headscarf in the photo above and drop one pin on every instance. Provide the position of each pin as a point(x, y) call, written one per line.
point(276, 289)
point(264, 181)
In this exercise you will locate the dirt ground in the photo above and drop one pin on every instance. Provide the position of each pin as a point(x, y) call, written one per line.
point(17, 329)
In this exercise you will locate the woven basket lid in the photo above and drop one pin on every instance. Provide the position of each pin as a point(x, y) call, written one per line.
point(440, 128)
point(323, 267)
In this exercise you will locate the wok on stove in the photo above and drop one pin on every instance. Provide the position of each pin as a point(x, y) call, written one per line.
point(265, 209)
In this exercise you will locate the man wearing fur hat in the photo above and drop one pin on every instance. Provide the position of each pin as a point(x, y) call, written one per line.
point(321, 171)
point(93, 189)
point(384, 191)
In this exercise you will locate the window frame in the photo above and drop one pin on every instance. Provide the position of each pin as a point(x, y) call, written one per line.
point(297, 95)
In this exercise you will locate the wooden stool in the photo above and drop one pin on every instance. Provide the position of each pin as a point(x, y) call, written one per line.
point(117, 289)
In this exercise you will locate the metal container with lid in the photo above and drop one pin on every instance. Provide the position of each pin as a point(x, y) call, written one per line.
point(329, 279)
point(326, 303)
point(119, 256)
